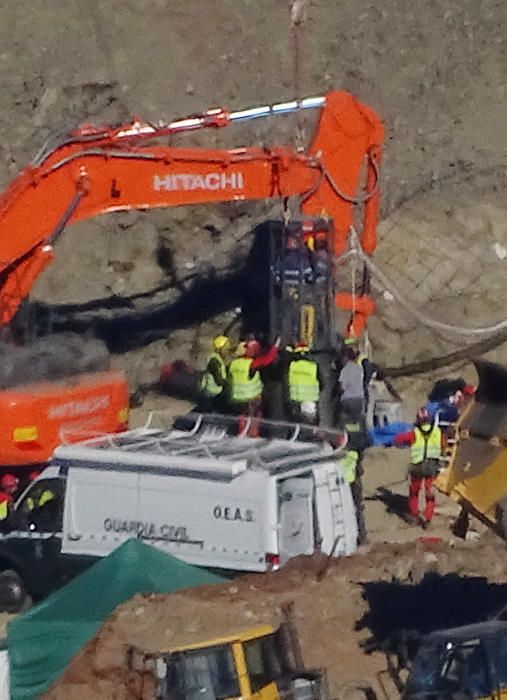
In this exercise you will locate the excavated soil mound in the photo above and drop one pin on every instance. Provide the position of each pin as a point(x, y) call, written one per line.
point(361, 602)
point(51, 358)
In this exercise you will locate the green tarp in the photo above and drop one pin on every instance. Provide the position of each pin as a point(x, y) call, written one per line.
point(42, 641)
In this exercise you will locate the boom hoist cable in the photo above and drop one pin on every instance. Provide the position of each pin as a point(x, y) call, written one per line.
point(298, 16)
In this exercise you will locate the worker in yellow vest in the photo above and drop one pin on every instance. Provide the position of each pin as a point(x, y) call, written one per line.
point(41, 497)
point(245, 386)
point(350, 463)
point(425, 461)
point(214, 378)
point(304, 385)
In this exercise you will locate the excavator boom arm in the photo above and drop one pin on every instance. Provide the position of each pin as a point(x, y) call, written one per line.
point(94, 171)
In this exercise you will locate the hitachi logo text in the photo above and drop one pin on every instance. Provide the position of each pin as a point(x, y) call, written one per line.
point(188, 182)
point(83, 407)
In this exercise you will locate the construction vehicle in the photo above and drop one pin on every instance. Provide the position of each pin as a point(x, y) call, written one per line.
point(262, 662)
point(37, 417)
point(465, 662)
point(461, 663)
point(476, 477)
point(60, 387)
point(95, 170)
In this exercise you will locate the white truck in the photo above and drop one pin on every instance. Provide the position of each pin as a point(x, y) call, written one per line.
point(204, 495)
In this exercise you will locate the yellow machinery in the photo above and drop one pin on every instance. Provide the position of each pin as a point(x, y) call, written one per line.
point(465, 663)
point(476, 477)
point(261, 663)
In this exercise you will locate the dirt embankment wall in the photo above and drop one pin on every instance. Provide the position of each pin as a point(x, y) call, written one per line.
point(435, 71)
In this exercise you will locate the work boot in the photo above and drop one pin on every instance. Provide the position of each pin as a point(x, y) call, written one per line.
point(425, 523)
point(411, 519)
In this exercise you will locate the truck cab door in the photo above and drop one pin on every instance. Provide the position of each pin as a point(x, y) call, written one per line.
point(297, 519)
point(42, 527)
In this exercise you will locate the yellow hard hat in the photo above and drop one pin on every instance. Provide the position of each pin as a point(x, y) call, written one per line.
point(221, 342)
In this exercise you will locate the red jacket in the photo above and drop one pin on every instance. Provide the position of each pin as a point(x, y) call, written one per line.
point(266, 359)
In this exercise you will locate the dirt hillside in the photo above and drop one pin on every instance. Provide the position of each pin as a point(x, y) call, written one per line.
point(434, 71)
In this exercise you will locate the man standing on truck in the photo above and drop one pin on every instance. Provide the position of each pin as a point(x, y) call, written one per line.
point(427, 445)
point(214, 378)
point(304, 385)
point(8, 485)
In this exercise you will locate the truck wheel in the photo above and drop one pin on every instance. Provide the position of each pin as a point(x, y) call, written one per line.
point(13, 595)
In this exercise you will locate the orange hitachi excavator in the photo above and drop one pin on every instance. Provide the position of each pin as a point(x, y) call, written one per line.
point(94, 170)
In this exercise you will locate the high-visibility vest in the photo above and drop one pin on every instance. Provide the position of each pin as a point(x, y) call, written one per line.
point(242, 388)
point(303, 381)
point(4, 508)
point(46, 496)
point(209, 386)
point(427, 444)
point(349, 465)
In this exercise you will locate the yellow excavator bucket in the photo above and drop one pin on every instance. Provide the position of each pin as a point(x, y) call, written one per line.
point(477, 474)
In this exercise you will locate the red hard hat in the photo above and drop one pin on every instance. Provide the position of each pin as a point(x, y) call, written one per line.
point(252, 348)
point(9, 480)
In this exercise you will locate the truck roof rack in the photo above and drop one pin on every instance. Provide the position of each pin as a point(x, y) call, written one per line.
point(206, 444)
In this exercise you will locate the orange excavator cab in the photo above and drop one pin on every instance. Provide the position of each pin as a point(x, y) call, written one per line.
point(36, 418)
